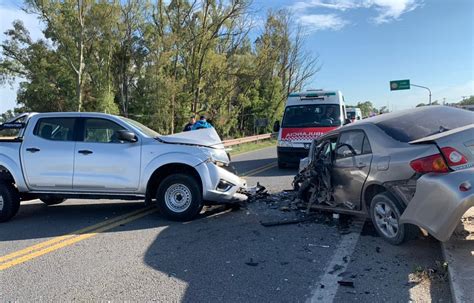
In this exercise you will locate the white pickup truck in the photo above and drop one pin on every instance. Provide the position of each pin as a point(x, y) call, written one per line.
point(56, 156)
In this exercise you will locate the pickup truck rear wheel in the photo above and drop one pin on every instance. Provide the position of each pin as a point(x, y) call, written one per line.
point(9, 201)
point(52, 200)
point(179, 198)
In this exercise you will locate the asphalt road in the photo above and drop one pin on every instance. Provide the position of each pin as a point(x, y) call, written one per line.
point(225, 255)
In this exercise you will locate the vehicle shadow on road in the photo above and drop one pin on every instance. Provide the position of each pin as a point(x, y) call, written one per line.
point(230, 257)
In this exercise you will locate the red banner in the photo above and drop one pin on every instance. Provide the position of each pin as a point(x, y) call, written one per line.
point(304, 133)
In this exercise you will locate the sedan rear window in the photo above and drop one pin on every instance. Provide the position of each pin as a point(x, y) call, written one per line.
point(418, 124)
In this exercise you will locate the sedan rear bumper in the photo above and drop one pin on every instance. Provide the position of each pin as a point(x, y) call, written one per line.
point(439, 203)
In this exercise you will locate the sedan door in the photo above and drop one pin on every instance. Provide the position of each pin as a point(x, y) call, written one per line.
point(351, 168)
point(102, 162)
point(48, 154)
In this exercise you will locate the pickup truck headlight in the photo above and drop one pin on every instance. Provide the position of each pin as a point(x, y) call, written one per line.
point(224, 186)
point(285, 143)
point(218, 157)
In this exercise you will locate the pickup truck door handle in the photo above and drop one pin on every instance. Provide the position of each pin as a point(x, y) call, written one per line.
point(85, 152)
point(361, 165)
point(33, 149)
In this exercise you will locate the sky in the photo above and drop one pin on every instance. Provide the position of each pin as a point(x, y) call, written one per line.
point(362, 45)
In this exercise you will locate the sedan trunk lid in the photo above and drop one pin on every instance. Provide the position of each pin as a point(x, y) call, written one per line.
point(456, 145)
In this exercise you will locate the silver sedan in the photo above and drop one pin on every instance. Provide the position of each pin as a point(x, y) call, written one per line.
point(404, 169)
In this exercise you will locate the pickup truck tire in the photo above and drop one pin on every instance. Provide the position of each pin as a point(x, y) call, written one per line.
point(9, 201)
point(385, 212)
point(179, 198)
point(52, 200)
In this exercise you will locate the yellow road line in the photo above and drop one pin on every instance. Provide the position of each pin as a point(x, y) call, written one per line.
point(56, 243)
point(67, 236)
point(259, 169)
point(66, 240)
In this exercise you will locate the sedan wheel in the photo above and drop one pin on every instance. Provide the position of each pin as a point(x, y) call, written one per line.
point(386, 219)
point(385, 212)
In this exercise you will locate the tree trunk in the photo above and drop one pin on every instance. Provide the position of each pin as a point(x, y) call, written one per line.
point(80, 69)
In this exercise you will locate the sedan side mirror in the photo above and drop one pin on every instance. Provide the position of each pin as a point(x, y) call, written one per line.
point(126, 135)
point(276, 126)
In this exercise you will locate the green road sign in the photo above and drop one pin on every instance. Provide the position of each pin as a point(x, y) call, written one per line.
point(399, 84)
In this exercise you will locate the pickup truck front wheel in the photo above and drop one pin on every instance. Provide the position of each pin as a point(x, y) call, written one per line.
point(179, 198)
point(52, 200)
point(9, 201)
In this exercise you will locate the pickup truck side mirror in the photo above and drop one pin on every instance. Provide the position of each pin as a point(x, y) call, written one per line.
point(347, 121)
point(126, 135)
point(276, 126)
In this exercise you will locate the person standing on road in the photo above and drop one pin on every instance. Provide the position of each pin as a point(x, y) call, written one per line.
point(202, 123)
point(189, 126)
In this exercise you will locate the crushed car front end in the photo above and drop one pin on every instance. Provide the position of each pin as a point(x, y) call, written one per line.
point(220, 185)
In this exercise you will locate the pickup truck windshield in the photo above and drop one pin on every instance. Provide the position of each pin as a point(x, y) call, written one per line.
point(312, 115)
point(145, 130)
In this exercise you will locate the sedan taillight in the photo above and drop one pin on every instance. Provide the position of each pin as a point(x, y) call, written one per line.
point(453, 156)
point(430, 164)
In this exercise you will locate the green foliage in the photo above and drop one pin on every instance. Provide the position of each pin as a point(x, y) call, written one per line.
point(367, 108)
point(467, 101)
point(158, 62)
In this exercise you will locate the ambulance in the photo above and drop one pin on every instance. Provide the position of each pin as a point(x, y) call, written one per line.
point(307, 116)
point(354, 113)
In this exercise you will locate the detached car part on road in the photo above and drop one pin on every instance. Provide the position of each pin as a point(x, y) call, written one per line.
point(407, 168)
point(55, 156)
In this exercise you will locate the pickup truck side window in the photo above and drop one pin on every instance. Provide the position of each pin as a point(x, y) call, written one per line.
point(56, 129)
point(101, 131)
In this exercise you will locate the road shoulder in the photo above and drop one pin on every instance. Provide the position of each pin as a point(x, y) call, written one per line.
point(459, 254)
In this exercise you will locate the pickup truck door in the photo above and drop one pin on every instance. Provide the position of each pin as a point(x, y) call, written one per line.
point(351, 168)
point(48, 154)
point(102, 162)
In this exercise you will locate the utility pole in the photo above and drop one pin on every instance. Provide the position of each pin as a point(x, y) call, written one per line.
point(405, 84)
point(429, 90)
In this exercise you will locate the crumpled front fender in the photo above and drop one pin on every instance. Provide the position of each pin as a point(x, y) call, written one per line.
point(439, 204)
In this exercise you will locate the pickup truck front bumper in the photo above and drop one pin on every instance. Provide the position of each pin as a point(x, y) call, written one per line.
point(220, 185)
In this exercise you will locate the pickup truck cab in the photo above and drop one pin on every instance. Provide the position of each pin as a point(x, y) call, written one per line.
point(55, 156)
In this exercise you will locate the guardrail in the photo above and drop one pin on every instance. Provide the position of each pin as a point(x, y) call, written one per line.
point(238, 141)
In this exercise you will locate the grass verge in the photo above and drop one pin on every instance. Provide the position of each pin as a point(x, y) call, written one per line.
point(247, 147)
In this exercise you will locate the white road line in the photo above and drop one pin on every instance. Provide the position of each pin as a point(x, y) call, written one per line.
point(338, 264)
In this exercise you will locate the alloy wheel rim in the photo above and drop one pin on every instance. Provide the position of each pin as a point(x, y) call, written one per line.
point(386, 219)
point(178, 198)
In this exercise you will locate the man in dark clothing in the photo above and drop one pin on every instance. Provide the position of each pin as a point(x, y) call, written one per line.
point(189, 126)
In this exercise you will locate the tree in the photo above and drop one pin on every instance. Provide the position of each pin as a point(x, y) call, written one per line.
point(467, 101)
point(158, 62)
point(367, 108)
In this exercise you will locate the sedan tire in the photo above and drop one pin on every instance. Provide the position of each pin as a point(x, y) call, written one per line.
point(9, 201)
point(385, 212)
point(179, 197)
